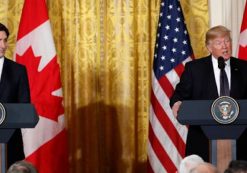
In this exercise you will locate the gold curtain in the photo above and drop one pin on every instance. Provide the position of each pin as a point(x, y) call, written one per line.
point(105, 51)
point(196, 16)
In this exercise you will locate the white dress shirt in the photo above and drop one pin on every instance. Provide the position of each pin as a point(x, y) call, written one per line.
point(1, 66)
point(217, 72)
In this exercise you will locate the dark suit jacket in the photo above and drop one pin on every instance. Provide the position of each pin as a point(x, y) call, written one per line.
point(198, 83)
point(14, 88)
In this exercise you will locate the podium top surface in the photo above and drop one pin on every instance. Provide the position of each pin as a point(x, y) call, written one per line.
point(19, 115)
point(198, 112)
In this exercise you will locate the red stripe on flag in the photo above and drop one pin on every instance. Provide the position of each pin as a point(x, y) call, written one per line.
point(167, 125)
point(160, 152)
point(179, 69)
point(166, 86)
point(149, 168)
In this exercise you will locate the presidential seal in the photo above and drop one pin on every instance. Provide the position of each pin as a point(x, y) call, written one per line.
point(2, 113)
point(225, 110)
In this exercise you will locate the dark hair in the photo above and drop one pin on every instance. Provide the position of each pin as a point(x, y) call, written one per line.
point(236, 166)
point(5, 29)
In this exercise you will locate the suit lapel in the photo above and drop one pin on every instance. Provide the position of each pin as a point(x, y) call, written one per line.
point(235, 79)
point(210, 79)
point(3, 77)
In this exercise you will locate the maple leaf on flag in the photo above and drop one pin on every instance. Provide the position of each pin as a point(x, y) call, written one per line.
point(45, 91)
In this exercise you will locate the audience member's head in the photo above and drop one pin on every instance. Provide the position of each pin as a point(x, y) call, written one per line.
point(22, 167)
point(189, 163)
point(237, 166)
point(204, 168)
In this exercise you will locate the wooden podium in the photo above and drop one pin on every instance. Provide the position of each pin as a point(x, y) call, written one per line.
point(16, 116)
point(198, 112)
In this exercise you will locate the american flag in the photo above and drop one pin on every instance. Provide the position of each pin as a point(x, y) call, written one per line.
point(242, 54)
point(167, 138)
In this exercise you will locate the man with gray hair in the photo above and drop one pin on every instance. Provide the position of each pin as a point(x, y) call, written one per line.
point(22, 167)
point(189, 163)
point(204, 168)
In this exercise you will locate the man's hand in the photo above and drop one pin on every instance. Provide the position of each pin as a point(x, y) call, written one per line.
point(175, 108)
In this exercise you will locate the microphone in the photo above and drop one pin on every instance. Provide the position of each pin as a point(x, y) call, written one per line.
point(221, 63)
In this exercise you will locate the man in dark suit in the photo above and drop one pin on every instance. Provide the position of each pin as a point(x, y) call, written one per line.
point(14, 88)
point(201, 81)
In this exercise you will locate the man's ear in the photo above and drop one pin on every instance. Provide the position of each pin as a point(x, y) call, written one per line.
point(209, 48)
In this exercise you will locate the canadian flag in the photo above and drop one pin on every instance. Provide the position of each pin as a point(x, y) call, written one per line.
point(45, 145)
point(242, 52)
